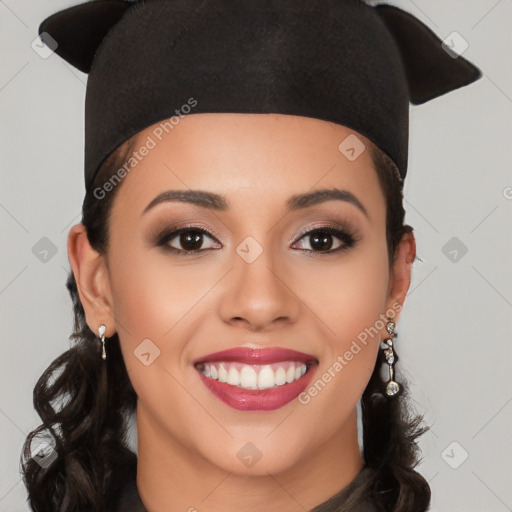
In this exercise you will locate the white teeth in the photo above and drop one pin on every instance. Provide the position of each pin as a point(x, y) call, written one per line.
point(223, 374)
point(280, 376)
point(255, 376)
point(266, 378)
point(233, 377)
point(248, 377)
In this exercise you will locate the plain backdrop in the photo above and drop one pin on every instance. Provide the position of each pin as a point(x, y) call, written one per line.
point(454, 336)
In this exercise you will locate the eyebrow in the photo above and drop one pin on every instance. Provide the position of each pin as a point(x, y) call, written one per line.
point(219, 203)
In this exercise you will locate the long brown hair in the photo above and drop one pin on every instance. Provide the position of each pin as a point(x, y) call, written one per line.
point(85, 403)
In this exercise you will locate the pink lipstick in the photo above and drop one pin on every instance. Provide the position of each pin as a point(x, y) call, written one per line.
point(256, 379)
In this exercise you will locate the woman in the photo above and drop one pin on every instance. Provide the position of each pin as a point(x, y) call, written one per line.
point(242, 259)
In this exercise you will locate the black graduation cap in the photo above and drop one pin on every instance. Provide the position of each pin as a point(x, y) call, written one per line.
point(342, 61)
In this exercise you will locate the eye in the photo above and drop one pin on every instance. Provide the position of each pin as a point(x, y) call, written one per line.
point(323, 239)
point(188, 239)
point(191, 240)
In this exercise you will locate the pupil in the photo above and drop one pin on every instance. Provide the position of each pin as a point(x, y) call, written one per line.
point(318, 241)
point(191, 240)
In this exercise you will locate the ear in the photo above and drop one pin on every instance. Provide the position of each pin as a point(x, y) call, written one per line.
point(92, 280)
point(401, 274)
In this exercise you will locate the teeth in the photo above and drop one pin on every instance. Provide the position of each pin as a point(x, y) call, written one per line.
point(233, 377)
point(223, 374)
point(280, 376)
point(266, 378)
point(255, 376)
point(248, 378)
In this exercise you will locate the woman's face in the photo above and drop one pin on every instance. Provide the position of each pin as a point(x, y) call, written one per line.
point(269, 271)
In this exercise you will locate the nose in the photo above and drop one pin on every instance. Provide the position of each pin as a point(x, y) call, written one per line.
point(259, 296)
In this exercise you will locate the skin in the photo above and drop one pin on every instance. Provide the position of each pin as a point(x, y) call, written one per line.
point(192, 305)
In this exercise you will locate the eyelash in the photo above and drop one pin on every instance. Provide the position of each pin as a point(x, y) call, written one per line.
point(348, 239)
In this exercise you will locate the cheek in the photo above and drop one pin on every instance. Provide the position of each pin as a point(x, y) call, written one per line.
point(363, 292)
point(154, 300)
point(152, 292)
point(347, 294)
point(159, 303)
point(351, 306)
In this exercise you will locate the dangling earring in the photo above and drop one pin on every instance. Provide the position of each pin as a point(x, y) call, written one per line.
point(101, 333)
point(392, 387)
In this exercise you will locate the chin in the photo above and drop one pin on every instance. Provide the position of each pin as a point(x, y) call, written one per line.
point(257, 454)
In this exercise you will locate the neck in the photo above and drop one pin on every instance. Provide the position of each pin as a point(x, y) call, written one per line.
point(170, 476)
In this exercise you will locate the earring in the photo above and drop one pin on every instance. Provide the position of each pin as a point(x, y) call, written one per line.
point(392, 387)
point(101, 334)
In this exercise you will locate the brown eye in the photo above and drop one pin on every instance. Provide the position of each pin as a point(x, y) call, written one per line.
point(190, 240)
point(323, 240)
point(186, 240)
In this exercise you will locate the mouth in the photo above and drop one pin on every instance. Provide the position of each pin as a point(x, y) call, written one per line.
point(256, 379)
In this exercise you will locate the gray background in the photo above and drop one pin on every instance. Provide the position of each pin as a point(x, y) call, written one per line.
point(454, 335)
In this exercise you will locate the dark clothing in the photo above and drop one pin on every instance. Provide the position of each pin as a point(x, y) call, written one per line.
point(352, 498)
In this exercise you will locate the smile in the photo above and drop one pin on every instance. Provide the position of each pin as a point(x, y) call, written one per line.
point(255, 376)
point(256, 379)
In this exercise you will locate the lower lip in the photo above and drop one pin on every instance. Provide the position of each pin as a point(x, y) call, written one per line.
point(258, 399)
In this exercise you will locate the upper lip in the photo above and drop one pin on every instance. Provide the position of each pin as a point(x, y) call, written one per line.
point(249, 355)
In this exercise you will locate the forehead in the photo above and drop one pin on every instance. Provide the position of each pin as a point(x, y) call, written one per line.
point(260, 158)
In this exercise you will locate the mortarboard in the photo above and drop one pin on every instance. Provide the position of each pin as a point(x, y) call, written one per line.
point(341, 61)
